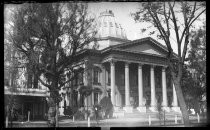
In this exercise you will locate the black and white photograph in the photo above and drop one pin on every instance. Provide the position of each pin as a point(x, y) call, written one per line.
point(105, 64)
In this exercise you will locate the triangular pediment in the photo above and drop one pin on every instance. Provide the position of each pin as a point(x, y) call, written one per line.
point(144, 46)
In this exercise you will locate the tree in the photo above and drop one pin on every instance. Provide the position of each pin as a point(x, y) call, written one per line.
point(50, 37)
point(197, 68)
point(11, 74)
point(164, 17)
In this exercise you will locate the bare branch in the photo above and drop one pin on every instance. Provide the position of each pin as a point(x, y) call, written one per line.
point(191, 24)
point(176, 30)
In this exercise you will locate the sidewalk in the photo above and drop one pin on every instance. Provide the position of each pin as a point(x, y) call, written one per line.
point(115, 122)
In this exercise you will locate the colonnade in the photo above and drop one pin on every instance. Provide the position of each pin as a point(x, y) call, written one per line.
point(142, 107)
point(128, 108)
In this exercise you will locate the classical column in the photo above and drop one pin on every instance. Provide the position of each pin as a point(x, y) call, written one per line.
point(85, 81)
point(175, 102)
point(61, 110)
point(112, 64)
point(175, 106)
point(78, 98)
point(141, 107)
point(152, 80)
point(164, 90)
point(127, 85)
point(103, 78)
point(92, 96)
point(127, 108)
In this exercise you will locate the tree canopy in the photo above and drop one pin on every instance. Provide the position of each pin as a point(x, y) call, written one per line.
point(49, 37)
point(194, 73)
point(173, 19)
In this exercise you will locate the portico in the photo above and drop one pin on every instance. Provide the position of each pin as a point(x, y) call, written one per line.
point(141, 100)
point(138, 77)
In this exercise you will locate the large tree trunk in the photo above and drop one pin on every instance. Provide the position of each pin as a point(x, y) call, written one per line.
point(182, 103)
point(56, 115)
point(53, 104)
point(7, 117)
point(51, 112)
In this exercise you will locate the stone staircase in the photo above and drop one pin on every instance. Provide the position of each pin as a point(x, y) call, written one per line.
point(137, 114)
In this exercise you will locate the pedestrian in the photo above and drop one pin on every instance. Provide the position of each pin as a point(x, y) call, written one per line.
point(96, 110)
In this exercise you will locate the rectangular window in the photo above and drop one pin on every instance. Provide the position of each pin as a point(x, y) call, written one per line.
point(109, 79)
point(80, 78)
point(136, 80)
point(95, 98)
point(122, 79)
point(96, 77)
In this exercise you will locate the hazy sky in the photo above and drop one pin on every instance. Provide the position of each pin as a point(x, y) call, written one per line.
point(122, 11)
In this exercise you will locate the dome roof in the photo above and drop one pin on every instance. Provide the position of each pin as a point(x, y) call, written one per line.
point(108, 27)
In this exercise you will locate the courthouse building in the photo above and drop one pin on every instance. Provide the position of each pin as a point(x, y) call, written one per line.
point(133, 73)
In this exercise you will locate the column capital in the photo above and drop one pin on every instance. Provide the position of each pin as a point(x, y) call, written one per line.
point(140, 65)
point(103, 66)
point(112, 61)
point(164, 68)
point(127, 64)
point(152, 66)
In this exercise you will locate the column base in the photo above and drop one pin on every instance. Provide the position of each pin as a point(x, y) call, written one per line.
point(153, 109)
point(128, 109)
point(176, 109)
point(167, 109)
point(142, 109)
point(116, 108)
point(61, 111)
point(119, 113)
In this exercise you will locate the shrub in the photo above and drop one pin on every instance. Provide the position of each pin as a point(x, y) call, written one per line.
point(68, 111)
point(106, 107)
point(20, 118)
point(79, 115)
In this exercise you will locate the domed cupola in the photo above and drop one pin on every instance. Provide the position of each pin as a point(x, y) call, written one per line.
point(109, 27)
point(110, 30)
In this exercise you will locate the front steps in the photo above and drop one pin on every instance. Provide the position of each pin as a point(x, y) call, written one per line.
point(137, 114)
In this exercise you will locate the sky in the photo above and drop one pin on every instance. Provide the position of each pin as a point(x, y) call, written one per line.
point(122, 11)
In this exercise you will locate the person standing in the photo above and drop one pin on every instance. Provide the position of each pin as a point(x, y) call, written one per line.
point(96, 110)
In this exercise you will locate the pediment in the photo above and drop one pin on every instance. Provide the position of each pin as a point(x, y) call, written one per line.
point(148, 47)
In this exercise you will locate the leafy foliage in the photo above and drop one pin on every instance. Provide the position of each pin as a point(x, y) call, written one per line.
point(166, 17)
point(194, 74)
point(49, 37)
point(106, 106)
